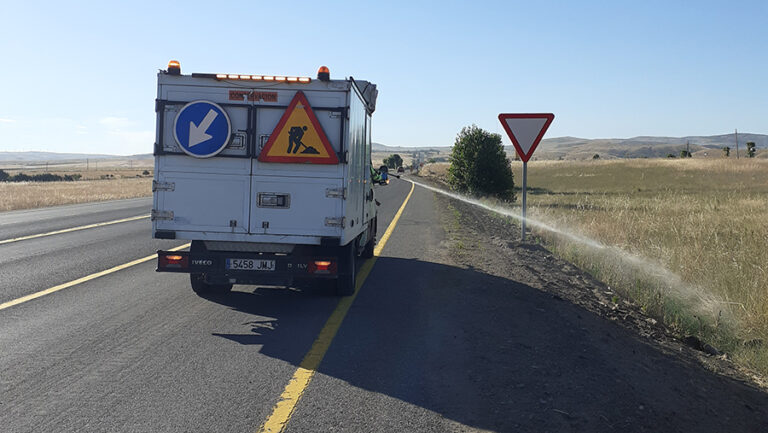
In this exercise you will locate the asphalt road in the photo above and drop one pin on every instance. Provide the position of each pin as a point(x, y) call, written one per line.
point(135, 350)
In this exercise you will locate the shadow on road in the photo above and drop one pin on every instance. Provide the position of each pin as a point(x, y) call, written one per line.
point(493, 354)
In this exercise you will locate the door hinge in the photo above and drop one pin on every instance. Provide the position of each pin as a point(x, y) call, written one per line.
point(335, 222)
point(336, 193)
point(157, 215)
point(163, 186)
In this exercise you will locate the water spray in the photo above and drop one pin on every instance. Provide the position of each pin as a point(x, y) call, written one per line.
point(701, 300)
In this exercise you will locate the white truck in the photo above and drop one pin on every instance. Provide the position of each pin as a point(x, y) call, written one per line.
point(268, 176)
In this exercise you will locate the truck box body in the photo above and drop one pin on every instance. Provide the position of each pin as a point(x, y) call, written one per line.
point(217, 198)
point(233, 201)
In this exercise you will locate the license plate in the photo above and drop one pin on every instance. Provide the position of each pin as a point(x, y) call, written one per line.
point(250, 265)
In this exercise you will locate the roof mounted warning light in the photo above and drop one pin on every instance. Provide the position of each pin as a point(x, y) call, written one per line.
point(242, 77)
point(174, 68)
point(323, 74)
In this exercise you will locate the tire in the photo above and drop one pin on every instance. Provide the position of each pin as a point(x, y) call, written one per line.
point(345, 284)
point(368, 250)
point(201, 287)
point(369, 247)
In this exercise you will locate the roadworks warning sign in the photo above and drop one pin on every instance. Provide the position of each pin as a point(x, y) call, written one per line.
point(298, 137)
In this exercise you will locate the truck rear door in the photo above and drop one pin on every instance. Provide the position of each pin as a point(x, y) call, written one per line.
point(293, 193)
point(203, 194)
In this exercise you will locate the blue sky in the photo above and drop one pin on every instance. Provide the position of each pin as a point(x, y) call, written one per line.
point(81, 76)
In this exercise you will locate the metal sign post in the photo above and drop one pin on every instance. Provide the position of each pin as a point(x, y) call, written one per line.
point(525, 188)
point(526, 131)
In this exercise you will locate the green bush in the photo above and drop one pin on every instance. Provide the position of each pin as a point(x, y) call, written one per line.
point(750, 149)
point(479, 165)
point(393, 161)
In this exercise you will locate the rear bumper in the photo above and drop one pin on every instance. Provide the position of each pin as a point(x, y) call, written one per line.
point(214, 265)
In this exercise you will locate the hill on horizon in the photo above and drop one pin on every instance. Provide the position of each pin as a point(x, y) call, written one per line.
point(550, 148)
point(635, 147)
point(35, 156)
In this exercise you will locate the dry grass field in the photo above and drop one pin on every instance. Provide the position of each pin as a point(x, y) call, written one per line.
point(27, 195)
point(686, 239)
point(108, 182)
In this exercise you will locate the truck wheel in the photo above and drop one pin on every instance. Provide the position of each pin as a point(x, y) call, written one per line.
point(368, 250)
point(345, 284)
point(201, 287)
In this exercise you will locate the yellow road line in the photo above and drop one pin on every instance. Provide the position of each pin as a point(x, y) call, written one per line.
point(73, 229)
point(281, 413)
point(41, 293)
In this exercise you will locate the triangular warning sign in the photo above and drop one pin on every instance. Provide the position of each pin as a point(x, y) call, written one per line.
point(526, 130)
point(298, 137)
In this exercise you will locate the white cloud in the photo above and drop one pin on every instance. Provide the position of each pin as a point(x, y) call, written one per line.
point(108, 135)
point(117, 123)
point(133, 141)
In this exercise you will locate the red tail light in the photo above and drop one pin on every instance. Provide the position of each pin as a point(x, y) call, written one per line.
point(326, 267)
point(177, 260)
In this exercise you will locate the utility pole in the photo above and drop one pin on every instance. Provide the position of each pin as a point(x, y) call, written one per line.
point(736, 133)
point(687, 148)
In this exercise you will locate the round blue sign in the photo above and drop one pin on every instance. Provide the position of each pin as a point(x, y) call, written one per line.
point(202, 129)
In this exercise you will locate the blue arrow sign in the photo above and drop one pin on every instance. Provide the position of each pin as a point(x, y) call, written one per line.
point(202, 129)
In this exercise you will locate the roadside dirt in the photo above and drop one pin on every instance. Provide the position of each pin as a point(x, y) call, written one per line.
point(660, 384)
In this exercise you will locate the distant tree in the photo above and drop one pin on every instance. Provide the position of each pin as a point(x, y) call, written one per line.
point(4, 176)
point(479, 164)
point(393, 161)
point(595, 156)
point(145, 173)
point(750, 149)
point(685, 154)
point(726, 151)
point(671, 155)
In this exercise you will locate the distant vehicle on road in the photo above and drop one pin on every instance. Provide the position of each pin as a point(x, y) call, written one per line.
point(400, 169)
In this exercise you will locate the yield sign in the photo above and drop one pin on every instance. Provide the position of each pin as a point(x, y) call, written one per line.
point(526, 130)
point(298, 137)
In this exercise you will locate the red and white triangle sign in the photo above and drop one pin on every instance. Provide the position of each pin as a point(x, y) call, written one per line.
point(526, 130)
